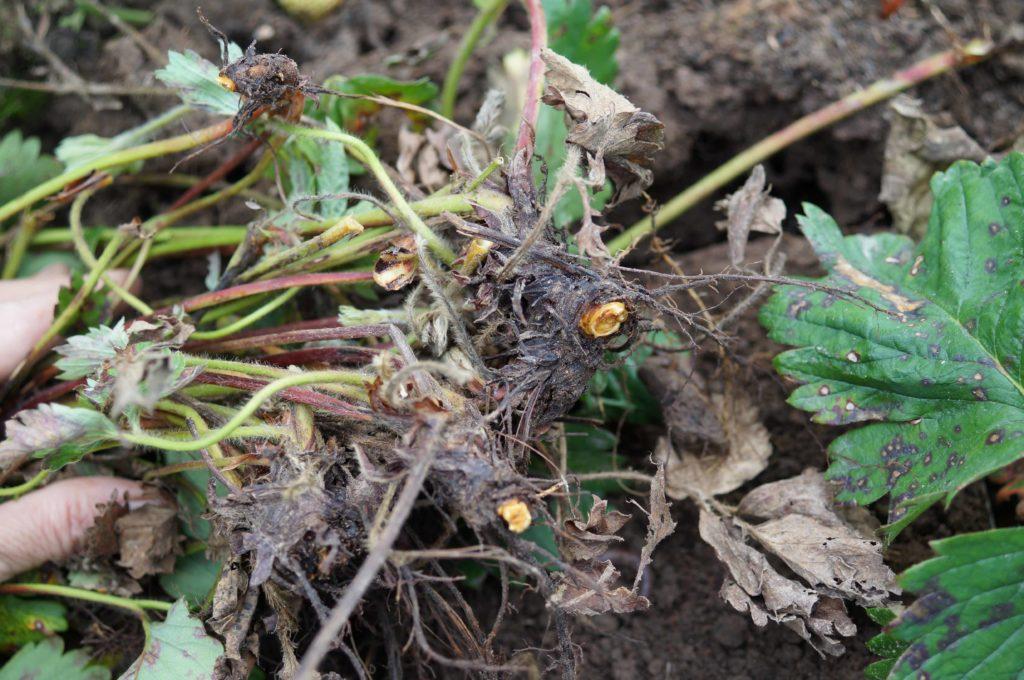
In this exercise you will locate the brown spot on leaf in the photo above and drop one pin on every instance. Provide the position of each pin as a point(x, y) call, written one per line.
point(994, 229)
point(852, 356)
point(916, 267)
point(980, 394)
point(994, 437)
point(990, 265)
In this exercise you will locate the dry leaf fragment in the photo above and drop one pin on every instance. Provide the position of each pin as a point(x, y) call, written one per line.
point(755, 587)
point(148, 540)
point(917, 147)
point(751, 208)
point(659, 523)
point(616, 135)
point(587, 540)
point(576, 597)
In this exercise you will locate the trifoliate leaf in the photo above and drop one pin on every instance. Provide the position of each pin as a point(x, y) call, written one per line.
point(58, 434)
point(22, 166)
point(195, 79)
point(179, 648)
point(968, 620)
point(23, 621)
point(47, 660)
point(83, 355)
point(932, 348)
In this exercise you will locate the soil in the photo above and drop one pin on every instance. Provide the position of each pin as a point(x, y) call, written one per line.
point(720, 74)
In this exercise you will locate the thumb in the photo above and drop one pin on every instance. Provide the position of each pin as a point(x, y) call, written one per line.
point(49, 524)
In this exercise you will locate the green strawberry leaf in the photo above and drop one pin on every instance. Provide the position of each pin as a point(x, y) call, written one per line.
point(354, 114)
point(587, 38)
point(316, 167)
point(932, 347)
point(58, 434)
point(47, 660)
point(583, 36)
point(22, 166)
point(193, 578)
point(23, 621)
point(179, 648)
point(195, 78)
point(968, 620)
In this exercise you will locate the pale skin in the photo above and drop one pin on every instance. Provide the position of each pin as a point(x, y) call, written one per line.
point(46, 525)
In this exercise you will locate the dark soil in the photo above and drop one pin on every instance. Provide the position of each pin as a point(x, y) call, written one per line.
point(720, 74)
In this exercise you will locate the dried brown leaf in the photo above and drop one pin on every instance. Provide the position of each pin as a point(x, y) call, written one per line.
point(585, 541)
point(659, 523)
point(755, 587)
point(746, 454)
point(616, 135)
point(917, 147)
point(148, 540)
point(576, 597)
point(750, 209)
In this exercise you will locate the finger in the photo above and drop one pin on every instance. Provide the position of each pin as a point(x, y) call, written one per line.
point(22, 322)
point(49, 524)
point(26, 311)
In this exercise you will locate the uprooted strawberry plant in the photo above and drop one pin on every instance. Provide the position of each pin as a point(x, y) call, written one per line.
point(406, 379)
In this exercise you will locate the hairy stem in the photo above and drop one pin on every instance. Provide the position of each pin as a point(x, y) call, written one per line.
point(535, 84)
point(226, 430)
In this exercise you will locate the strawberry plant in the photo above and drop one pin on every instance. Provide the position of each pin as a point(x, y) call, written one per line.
point(357, 382)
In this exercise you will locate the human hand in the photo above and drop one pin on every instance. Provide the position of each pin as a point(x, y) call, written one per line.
point(48, 524)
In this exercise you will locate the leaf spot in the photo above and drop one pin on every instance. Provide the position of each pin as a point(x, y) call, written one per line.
point(853, 356)
point(917, 265)
point(990, 265)
point(995, 437)
point(824, 391)
point(980, 394)
point(994, 229)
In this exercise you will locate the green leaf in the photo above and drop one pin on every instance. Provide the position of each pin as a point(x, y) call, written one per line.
point(85, 354)
point(589, 39)
point(179, 648)
point(23, 621)
point(193, 578)
point(354, 114)
point(47, 660)
point(968, 620)
point(583, 36)
point(316, 167)
point(938, 358)
point(195, 79)
point(58, 434)
point(22, 166)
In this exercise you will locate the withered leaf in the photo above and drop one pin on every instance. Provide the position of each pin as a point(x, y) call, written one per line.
point(614, 133)
point(148, 540)
point(751, 208)
point(806, 532)
point(917, 147)
point(587, 540)
point(57, 433)
point(755, 587)
point(576, 597)
point(659, 523)
point(746, 452)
